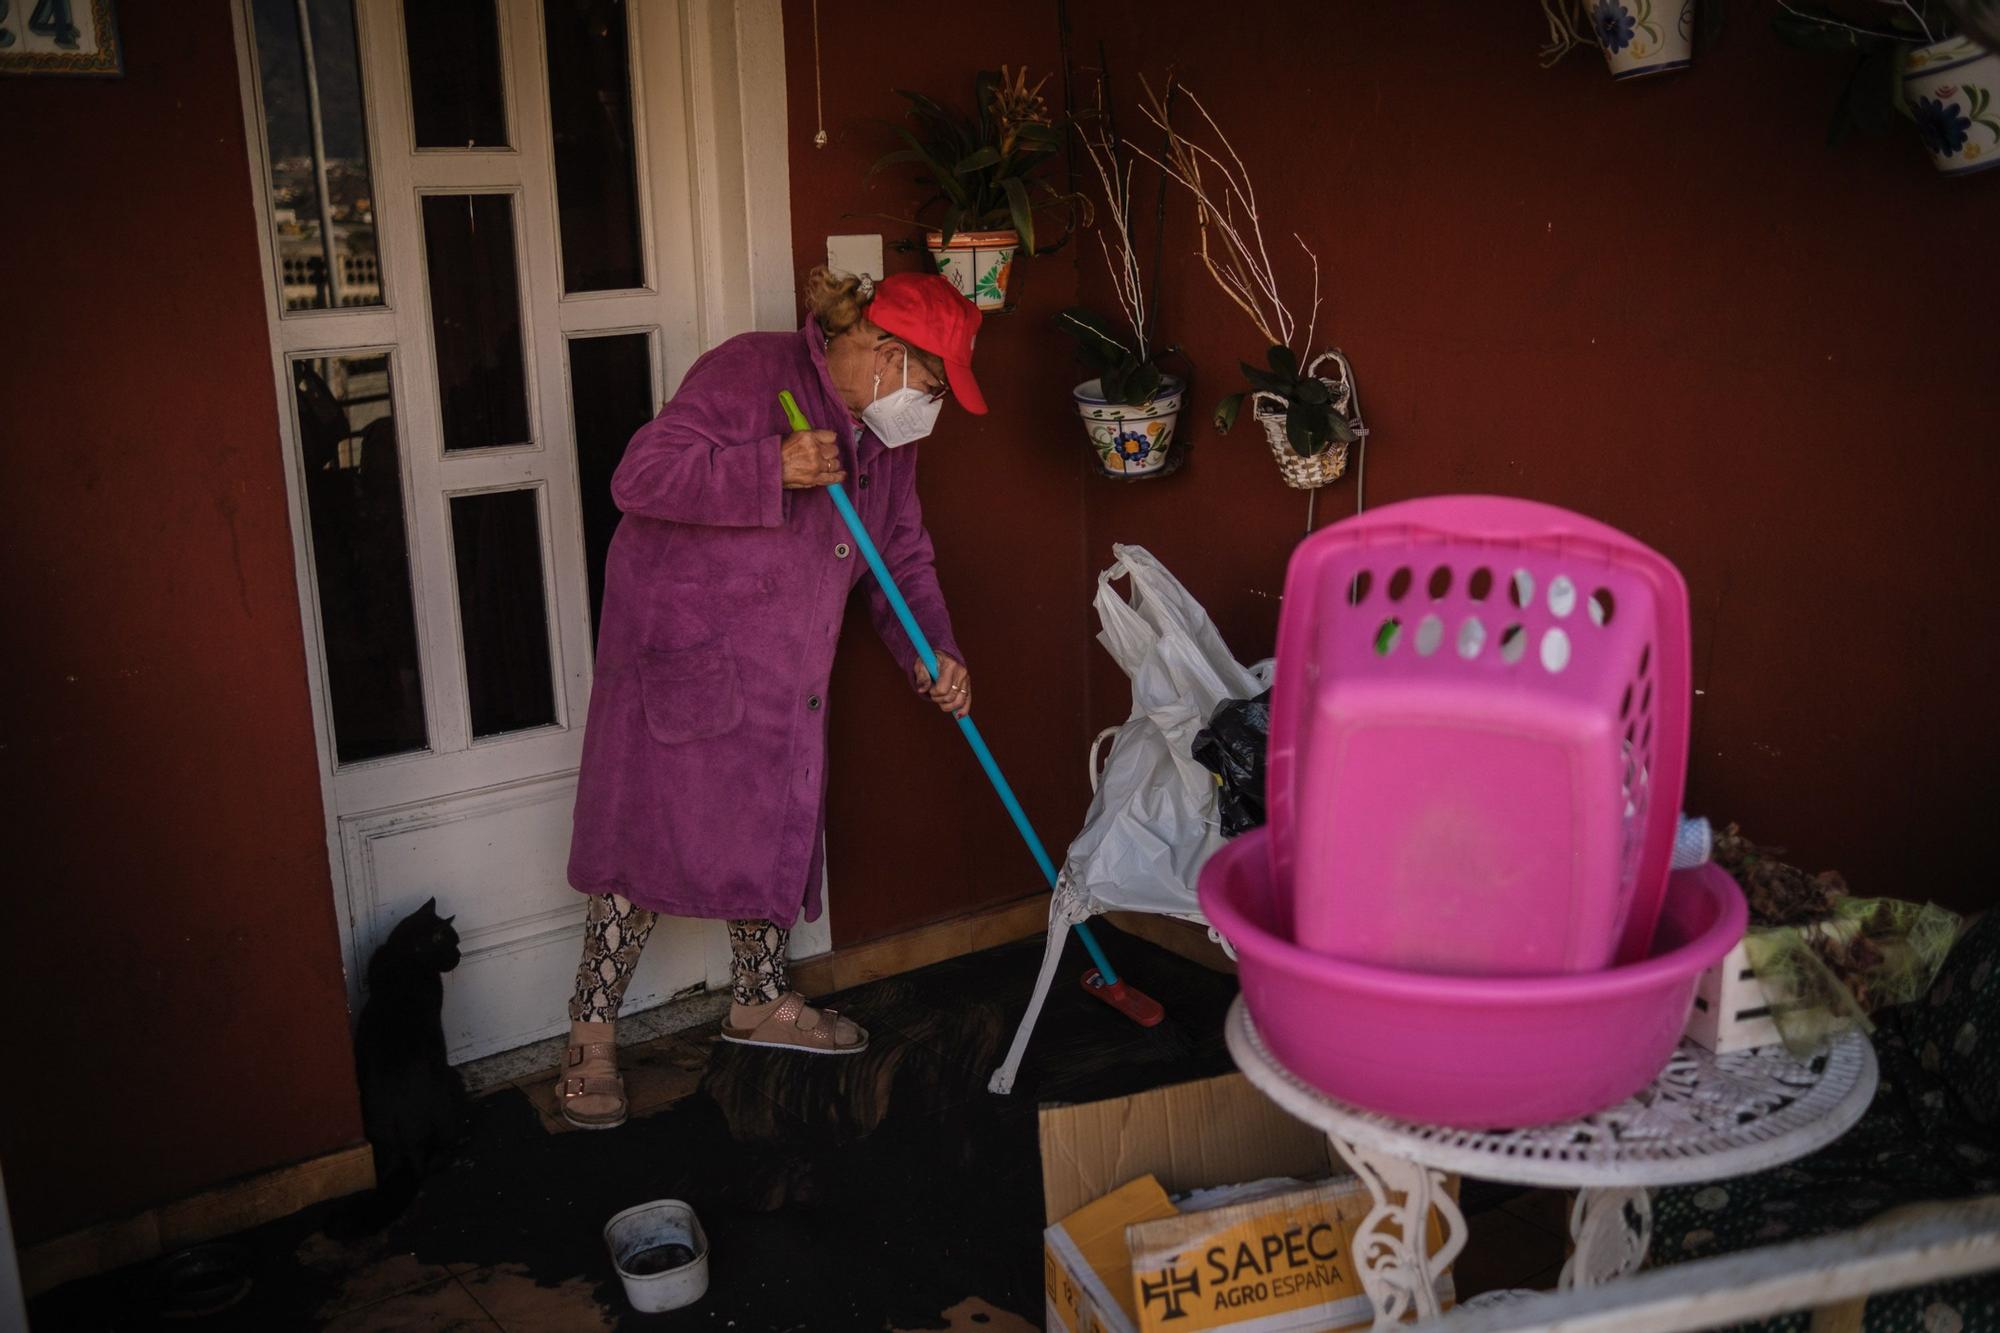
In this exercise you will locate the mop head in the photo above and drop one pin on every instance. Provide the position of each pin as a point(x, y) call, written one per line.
point(1136, 1005)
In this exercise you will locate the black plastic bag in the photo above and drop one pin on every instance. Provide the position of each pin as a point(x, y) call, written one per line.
point(1232, 746)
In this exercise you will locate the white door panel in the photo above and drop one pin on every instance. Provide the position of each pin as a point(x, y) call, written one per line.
point(446, 574)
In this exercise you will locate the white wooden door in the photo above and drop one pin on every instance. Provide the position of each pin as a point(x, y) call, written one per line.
point(483, 230)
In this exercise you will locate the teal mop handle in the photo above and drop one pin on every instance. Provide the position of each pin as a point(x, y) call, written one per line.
point(866, 545)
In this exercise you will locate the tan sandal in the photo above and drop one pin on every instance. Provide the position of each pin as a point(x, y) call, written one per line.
point(830, 1034)
point(590, 1092)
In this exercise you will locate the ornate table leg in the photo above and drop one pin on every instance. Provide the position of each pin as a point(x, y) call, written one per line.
point(1397, 1270)
point(1612, 1229)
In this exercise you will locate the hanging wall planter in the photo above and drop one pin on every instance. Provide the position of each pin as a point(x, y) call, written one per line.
point(1644, 36)
point(979, 263)
point(1132, 442)
point(1307, 472)
point(1953, 91)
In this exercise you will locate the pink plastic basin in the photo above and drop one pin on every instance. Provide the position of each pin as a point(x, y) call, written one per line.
point(1471, 1052)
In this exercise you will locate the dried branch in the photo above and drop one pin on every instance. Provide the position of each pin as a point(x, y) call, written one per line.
point(1312, 321)
point(1228, 222)
point(1127, 279)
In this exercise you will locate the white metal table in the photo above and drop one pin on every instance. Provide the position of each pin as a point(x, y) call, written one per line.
point(1706, 1117)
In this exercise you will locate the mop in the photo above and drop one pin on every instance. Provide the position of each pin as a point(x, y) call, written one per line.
point(1102, 981)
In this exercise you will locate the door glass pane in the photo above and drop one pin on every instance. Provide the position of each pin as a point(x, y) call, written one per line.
point(456, 97)
point(316, 128)
point(590, 112)
point(360, 553)
point(611, 396)
point(476, 319)
point(503, 614)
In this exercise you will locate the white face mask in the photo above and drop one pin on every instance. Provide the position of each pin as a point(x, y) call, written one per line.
point(905, 415)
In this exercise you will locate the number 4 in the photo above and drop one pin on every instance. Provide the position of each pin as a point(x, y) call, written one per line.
point(52, 19)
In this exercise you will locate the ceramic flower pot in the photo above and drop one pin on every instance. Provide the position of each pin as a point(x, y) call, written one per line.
point(1952, 88)
point(1131, 441)
point(979, 263)
point(1644, 36)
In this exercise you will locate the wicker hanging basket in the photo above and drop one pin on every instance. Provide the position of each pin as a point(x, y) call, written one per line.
point(1313, 471)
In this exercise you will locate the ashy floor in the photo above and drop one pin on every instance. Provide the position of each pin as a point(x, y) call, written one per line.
point(885, 1191)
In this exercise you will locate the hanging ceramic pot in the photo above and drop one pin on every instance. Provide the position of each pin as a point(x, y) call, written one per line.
point(1644, 36)
point(979, 263)
point(1953, 92)
point(1131, 441)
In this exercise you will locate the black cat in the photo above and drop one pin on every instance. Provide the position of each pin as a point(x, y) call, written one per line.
point(413, 1103)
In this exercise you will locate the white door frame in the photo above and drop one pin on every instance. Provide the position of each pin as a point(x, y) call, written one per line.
point(727, 169)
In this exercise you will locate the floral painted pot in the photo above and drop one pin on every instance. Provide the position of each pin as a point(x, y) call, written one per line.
point(1952, 88)
point(1131, 441)
point(979, 263)
point(1644, 36)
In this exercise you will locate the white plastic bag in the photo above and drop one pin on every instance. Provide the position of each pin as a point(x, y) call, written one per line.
point(1154, 819)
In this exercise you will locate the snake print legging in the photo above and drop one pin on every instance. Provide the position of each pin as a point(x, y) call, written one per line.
point(614, 933)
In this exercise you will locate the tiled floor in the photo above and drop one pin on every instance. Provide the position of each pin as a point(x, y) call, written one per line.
point(883, 1191)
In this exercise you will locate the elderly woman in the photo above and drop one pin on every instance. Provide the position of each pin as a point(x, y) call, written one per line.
point(703, 786)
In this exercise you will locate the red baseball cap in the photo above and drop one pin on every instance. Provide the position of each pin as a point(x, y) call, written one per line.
point(925, 310)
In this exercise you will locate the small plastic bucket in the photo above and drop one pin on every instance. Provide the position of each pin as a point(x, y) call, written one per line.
point(661, 1254)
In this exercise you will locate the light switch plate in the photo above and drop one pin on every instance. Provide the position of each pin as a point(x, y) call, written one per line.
point(860, 255)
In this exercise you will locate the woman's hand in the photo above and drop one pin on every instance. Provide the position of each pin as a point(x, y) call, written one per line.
point(952, 691)
point(812, 458)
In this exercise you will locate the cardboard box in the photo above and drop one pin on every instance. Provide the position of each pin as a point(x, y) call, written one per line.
point(1277, 1259)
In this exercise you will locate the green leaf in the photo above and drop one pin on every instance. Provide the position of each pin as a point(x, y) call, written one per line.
point(1282, 361)
point(1880, 75)
point(945, 180)
point(1024, 214)
point(901, 155)
point(1141, 385)
point(1307, 427)
point(925, 104)
point(1096, 339)
point(1226, 412)
point(1312, 391)
point(1266, 381)
point(1090, 327)
point(983, 89)
point(976, 161)
point(1338, 428)
point(954, 220)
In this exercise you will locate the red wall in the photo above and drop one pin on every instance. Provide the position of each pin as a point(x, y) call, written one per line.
point(168, 956)
point(914, 833)
point(1666, 304)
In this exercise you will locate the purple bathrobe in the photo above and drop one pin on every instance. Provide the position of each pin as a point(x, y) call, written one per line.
point(703, 785)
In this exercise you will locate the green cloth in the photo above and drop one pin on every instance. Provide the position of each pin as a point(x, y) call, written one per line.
point(1888, 953)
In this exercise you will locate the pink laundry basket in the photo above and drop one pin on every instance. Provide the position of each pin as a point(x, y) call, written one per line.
point(1478, 739)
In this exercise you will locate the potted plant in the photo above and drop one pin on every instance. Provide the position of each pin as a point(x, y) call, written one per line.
point(1910, 60)
point(988, 174)
point(1636, 36)
point(1309, 419)
point(1131, 408)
